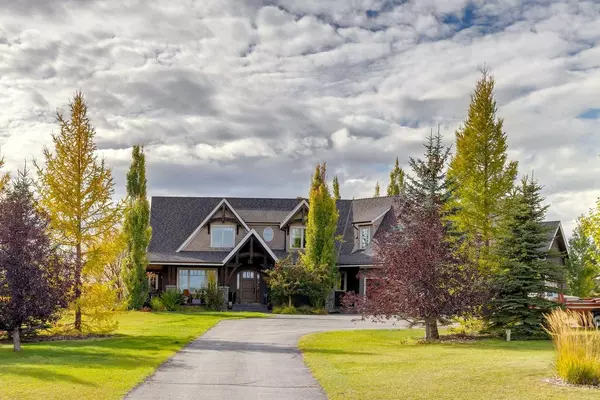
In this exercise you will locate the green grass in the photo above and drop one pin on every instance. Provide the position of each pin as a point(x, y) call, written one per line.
point(391, 365)
point(100, 368)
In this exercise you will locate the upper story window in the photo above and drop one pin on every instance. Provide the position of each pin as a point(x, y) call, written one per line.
point(365, 237)
point(297, 237)
point(268, 234)
point(222, 236)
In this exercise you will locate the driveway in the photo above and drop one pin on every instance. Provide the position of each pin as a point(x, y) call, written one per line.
point(246, 359)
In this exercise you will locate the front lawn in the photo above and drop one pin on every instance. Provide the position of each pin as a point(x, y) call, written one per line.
point(390, 365)
point(100, 368)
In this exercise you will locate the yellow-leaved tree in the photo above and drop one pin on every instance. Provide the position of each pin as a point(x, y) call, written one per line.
point(76, 190)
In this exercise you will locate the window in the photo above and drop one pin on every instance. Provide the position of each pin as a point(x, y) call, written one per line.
point(194, 279)
point(365, 237)
point(248, 275)
point(268, 234)
point(222, 236)
point(297, 238)
point(342, 281)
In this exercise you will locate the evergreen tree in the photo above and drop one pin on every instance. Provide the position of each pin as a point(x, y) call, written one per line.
point(137, 231)
point(336, 188)
point(377, 190)
point(396, 185)
point(319, 256)
point(76, 191)
point(486, 176)
point(4, 177)
point(525, 275)
point(582, 265)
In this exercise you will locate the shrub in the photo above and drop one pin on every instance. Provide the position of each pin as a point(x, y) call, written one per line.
point(285, 310)
point(577, 343)
point(468, 325)
point(156, 304)
point(171, 300)
point(213, 297)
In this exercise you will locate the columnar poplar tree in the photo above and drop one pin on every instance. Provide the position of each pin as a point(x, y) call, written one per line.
point(76, 191)
point(34, 278)
point(583, 267)
point(137, 231)
point(377, 190)
point(525, 274)
point(319, 256)
point(486, 176)
point(422, 276)
point(396, 185)
point(336, 188)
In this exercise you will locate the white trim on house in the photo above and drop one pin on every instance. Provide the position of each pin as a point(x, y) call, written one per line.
point(303, 237)
point(243, 242)
point(292, 213)
point(208, 217)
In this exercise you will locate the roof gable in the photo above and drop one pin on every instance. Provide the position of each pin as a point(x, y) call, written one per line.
point(242, 242)
point(222, 203)
point(288, 218)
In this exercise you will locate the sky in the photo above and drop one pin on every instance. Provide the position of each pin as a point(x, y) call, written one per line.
point(244, 97)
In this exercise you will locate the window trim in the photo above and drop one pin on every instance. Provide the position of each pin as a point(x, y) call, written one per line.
point(302, 238)
point(212, 230)
point(360, 231)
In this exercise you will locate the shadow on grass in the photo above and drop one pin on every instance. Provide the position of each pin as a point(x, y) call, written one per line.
point(46, 375)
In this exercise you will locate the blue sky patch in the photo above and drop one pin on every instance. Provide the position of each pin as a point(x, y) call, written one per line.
point(590, 113)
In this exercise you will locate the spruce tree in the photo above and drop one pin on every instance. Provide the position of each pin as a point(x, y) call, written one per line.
point(76, 191)
point(137, 231)
point(336, 188)
point(396, 185)
point(525, 275)
point(582, 265)
point(486, 176)
point(377, 190)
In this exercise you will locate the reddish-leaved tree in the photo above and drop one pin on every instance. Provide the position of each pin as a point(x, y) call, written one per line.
point(34, 277)
point(420, 276)
point(420, 273)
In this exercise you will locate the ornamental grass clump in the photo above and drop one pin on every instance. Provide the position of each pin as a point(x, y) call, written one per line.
point(577, 343)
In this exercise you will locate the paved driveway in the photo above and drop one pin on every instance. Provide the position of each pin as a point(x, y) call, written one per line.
point(246, 359)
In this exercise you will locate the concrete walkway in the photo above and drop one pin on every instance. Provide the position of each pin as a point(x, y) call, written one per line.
point(246, 359)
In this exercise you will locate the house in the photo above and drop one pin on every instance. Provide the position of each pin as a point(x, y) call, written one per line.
point(235, 240)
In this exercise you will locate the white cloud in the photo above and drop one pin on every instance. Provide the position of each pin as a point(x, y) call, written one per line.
point(242, 97)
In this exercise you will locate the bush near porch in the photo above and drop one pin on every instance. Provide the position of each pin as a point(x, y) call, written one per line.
point(105, 368)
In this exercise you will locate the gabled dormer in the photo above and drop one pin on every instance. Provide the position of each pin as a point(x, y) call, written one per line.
point(294, 225)
point(222, 229)
point(365, 230)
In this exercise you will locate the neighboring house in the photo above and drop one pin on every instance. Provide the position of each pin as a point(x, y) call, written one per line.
point(235, 240)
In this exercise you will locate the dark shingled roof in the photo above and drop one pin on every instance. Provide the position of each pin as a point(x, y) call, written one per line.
point(173, 219)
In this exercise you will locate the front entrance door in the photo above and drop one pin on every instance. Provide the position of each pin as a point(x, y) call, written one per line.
point(248, 286)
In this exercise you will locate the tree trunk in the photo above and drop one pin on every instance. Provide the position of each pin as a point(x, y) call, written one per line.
point(431, 329)
point(289, 300)
point(16, 339)
point(78, 268)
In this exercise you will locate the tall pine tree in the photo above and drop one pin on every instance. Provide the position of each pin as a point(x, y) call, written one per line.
point(582, 265)
point(486, 176)
point(525, 275)
point(396, 185)
point(76, 191)
point(336, 188)
point(137, 231)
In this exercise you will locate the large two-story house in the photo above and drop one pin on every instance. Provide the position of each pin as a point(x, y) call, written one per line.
point(235, 240)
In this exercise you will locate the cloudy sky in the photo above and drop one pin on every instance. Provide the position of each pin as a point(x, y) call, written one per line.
point(243, 97)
